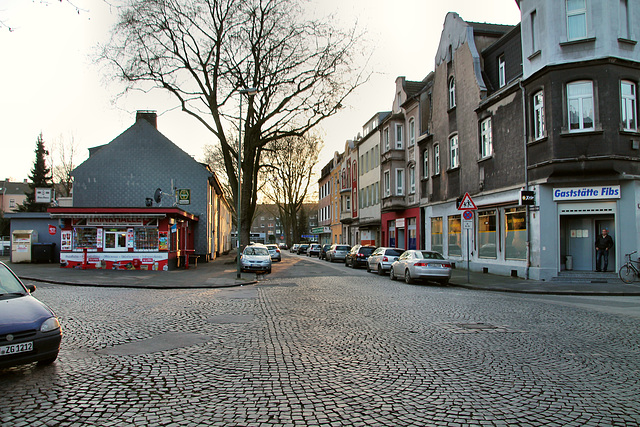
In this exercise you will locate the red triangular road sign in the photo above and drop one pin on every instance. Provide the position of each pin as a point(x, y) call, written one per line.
point(467, 204)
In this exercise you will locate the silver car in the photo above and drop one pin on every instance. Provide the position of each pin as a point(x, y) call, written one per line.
point(274, 251)
point(421, 265)
point(381, 259)
point(337, 253)
point(255, 258)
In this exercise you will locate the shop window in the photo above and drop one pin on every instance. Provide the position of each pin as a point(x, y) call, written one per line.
point(115, 239)
point(580, 106)
point(455, 236)
point(412, 233)
point(392, 233)
point(436, 234)
point(516, 233)
point(145, 239)
point(487, 241)
point(85, 238)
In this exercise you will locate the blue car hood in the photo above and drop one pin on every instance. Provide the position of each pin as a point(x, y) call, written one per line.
point(22, 313)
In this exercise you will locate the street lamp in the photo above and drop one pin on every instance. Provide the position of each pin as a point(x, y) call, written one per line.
point(249, 91)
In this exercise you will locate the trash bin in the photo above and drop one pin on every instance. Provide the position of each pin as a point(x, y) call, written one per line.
point(569, 263)
point(42, 252)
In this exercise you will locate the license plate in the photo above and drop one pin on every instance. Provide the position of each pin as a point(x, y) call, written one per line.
point(16, 348)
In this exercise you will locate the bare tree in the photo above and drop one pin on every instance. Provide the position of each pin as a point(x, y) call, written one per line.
point(291, 163)
point(204, 52)
point(62, 162)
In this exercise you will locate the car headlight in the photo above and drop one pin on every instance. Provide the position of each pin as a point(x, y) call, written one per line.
point(50, 324)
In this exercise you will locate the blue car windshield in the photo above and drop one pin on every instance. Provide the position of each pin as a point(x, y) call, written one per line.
point(8, 282)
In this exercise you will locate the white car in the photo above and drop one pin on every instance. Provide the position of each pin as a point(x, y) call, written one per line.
point(381, 259)
point(421, 265)
point(255, 258)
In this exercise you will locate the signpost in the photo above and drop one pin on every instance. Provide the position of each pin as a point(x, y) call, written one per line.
point(468, 206)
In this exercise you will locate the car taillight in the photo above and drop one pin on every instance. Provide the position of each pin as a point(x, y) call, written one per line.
point(422, 264)
point(446, 265)
point(385, 259)
point(278, 250)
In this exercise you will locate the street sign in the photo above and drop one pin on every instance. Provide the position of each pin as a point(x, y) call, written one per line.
point(467, 215)
point(467, 224)
point(467, 203)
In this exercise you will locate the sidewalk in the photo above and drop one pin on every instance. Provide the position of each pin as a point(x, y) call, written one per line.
point(222, 273)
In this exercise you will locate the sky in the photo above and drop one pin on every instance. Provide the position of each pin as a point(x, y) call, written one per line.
point(51, 85)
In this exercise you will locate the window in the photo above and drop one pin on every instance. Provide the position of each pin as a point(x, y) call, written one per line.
point(454, 160)
point(455, 236)
point(376, 193)
point(623, 24)
point(348, 203)
point(412, 132)
point(576, 19)
point(436, 159)
point(425, 163)
point(399, 136)
point(534, 40)
point(385, 137)
point(412, 180)
point(516, 236)
point(538, 115)
point(145, 239)
point(387, 184)
point(12, 203)
point(412, 238)
point(452, 93)
point(85, 238)
point(436, 234)
point(486, 138)
point(502, 79)
point(362, 163)
point(376, 156)
point(399, 182)
point(115, 239)
point(628, 91)
point(580, 103)
point(487, 243)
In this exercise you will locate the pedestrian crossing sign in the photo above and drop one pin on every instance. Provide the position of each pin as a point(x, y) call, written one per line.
point(467, 203)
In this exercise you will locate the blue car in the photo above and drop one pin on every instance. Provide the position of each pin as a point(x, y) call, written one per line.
point(29, 330)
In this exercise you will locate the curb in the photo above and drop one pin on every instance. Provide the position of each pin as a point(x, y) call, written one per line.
point(129, 286)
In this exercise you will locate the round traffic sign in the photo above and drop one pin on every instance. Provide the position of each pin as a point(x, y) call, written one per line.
point(467, 215)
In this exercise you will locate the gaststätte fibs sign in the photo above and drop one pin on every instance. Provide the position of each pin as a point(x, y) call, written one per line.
point(587, 193)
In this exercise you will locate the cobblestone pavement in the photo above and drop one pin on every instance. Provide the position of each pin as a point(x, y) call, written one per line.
point(317, 344)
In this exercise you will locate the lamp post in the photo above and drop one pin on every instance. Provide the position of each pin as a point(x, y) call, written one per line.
point(248, 91)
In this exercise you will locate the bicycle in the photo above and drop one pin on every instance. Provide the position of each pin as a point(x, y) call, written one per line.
point(630, 270)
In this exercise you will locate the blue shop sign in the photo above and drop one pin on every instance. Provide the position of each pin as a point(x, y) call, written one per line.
point(587, 193)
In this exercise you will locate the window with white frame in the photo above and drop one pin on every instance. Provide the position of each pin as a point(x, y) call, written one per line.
point(348, 203)
point(412, 179)
point(385, 138)
point(399, 136)
point(502, 75)
point(576, 19)
point(436, 159)
point(454, 152)
point(538, 115)
point(412, 132)
point(425, 163)
point(399, 182)
point(387, 184)
point(486, 138)
point(580, 106)
point(628, 92)
point(534, 39)
point(452, 92)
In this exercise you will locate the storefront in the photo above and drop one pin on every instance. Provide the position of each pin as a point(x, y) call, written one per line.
point(400, 230)
point(125, 238)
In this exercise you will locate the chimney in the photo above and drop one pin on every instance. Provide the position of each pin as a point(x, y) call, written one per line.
point(148, 115)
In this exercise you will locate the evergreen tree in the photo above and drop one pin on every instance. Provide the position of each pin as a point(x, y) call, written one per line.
point(40, 178)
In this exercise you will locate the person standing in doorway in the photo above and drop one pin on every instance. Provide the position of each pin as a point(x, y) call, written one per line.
point(604, 242)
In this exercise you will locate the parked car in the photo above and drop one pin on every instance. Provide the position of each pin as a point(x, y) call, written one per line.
point(382, 258)
point(337, 252)
point(421, 265)
point(294, 248)
point(303, 248)
point(29, 330)
point(314, 250)
point(358, 256)
point(283, 246)
point(323, 251)
point(256, 258)
point(274, 251)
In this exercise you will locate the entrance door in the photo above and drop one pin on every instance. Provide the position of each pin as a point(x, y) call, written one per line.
point(580, 242)
point(400, 238)
point(609, 224)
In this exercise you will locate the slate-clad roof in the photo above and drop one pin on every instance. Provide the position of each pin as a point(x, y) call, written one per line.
point(8, 187)
point(480, 28)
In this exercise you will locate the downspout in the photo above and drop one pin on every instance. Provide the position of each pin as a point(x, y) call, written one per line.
point(526, 179)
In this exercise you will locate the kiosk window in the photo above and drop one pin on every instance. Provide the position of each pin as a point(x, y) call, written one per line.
point(85, 237)
point(145, 239)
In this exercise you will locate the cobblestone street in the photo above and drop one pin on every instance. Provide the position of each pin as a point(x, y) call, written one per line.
point(320, 345)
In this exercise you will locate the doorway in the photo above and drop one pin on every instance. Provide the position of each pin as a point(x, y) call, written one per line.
point(577, 240)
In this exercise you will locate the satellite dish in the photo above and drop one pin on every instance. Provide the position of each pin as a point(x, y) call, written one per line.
point(157, 195)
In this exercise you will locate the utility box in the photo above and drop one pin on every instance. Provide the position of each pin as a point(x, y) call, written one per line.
point(21, 243)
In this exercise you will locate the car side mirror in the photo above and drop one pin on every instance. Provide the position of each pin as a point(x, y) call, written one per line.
point(31, 287)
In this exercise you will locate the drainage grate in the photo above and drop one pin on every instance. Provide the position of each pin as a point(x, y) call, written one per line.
point(476, 327)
